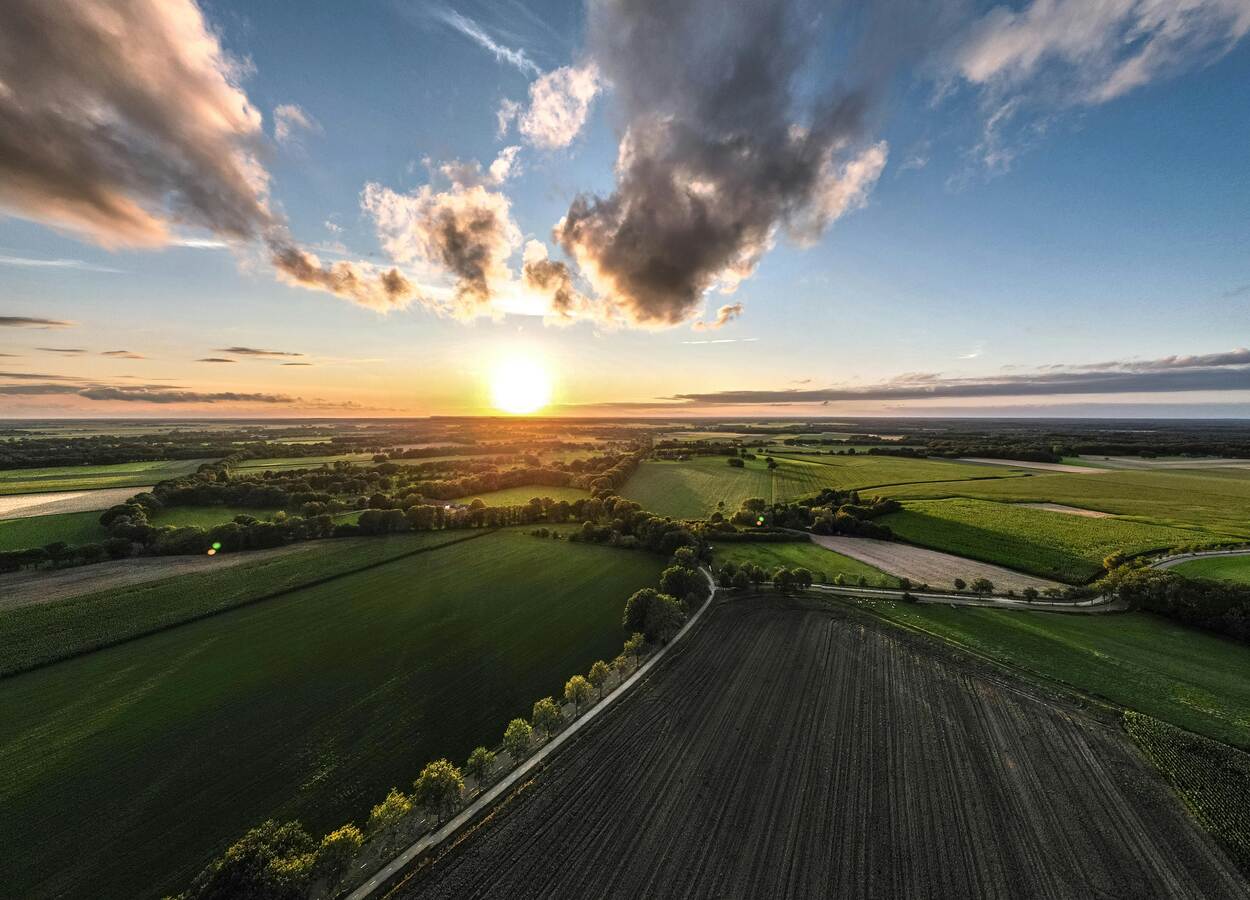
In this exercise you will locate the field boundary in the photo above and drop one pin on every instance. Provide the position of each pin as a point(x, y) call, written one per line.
point(1175, 559)
point(384, 876)
point(208, 614)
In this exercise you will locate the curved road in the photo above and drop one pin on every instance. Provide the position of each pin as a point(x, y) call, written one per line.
point(1168, 562)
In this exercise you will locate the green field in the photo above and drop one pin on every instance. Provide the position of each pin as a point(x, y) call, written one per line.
point(38, 531)
point(206, 516)
point(1054, 545)
point(1214, 500)
point(518, 496)
point(820, 561)
point(78, 478)
point(1218, 568)
point(126, 769)
point(1192, 679)
point(691, 489)
point(302, 462)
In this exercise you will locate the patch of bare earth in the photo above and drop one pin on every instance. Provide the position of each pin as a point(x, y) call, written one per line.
point(45, 585)
point(931, 567)
point(1069, 510)
point(788, 751)
point(21, 506)
point(1042, 466)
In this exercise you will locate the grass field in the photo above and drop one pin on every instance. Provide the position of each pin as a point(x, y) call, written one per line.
point(1191, 679)
point(518, 496)
point(691, 489)
point(206, 516)
point(819, 560)
point(1216, 500)
point(38, 531)
point(1050, 544)
point(1218, 568)
point(77, 478)
point(127, 768)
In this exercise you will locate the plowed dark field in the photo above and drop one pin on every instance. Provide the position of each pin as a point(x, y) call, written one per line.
point(789, 751)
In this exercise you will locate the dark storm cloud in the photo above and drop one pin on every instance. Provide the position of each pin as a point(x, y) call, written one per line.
point(722, 145)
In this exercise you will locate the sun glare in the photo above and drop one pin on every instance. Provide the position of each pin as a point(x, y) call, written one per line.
point(520, 385)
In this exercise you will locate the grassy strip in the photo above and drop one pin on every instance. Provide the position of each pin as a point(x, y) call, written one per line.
point(1235, 569)
point(825, 565)
point(1185, 677)
point(45, 633)
point(38, 531)
point(1212, 779)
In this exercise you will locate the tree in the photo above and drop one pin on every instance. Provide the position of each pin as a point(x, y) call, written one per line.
point(782, 579)
point(270, 862)
point(983, 587)
point(598, 676)
point(758, 575)
point(682, 582)
point(577, 691)
point(1029, 594)
point(1114, 560)
point(960, 584)
point(479, 764)
point(802, 578)
point(735, 462)
point(547, 716)
point(656, 615)
point(517, 738)
point(389, 812)
point(57, 552)
point(741, 581)
point(633, 646)
point(337, 850)
point(904, 583)
point(772, 463)
point(438, 788)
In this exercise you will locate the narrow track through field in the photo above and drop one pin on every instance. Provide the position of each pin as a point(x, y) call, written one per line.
point(788, 750)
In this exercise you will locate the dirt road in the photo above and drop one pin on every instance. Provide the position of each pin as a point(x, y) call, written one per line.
point(931, 567)
point(788, 752)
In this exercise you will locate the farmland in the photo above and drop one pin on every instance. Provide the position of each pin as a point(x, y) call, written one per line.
point(1214, 500)
point(692, 488)
point(1046, 543)
point(16, 506)
point(789, 752)
point(824, 564)
point(1219, 568)
point(520, 495)
point(308, 705)
point(206, 516)
point(75, 478)
point(37, 531)
point(1193, 680)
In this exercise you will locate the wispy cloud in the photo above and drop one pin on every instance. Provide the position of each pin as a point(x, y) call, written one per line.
point(215, 359)
point(723, 341)
point(1209, 372)
point(974, 353)
point(122, 354)
point(26, 262)
point(33, 322)
point(471, 29)
point(66, 351)
point(724, 316)
point(290, 120)
point(297, 364)
point(257, 352)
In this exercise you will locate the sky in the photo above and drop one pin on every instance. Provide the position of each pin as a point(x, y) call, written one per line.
point(375, 209)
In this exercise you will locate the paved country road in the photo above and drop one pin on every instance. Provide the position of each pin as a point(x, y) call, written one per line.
point(1168, 562)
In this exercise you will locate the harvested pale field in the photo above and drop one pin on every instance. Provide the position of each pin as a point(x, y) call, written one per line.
point(21, 506)
point(45, 585)
point(789, 751)
point(1069, 510)
point(1044, 466)
point(1171, 462)
point(931, 567)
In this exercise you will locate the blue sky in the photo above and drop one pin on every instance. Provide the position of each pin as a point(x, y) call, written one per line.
point(1102, 235)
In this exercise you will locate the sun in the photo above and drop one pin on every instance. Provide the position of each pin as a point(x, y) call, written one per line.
point(520, 385)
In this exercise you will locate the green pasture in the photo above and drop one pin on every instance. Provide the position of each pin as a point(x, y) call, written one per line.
point(78, 478)
point(825, 565)
point(1218, 568)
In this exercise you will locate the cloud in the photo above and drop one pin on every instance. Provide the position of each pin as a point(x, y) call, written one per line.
point(465, 232)
point(559, 104)
point(724, 316)
point(1098, 51)
point(1209, 372)
point(30, 376)
point(254, 351)
point(161, 395)
point(297, 364)
point(504, 116)
point(722, 148)
point(215, 359)
point(67, 351)
point(469, 173)
point(76, 264)
point(120, 120)
point(289, 121)
point(474, 32)
point(974, 353)
point(33, 322)
point(723, 341)
point(122, 354)
point(553, 282)
point(361, 283)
